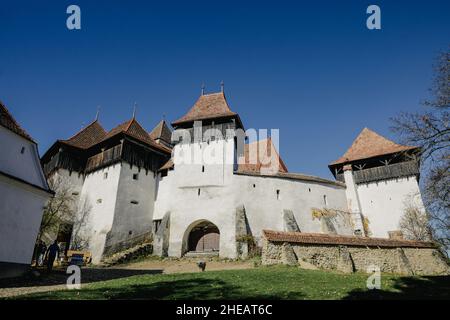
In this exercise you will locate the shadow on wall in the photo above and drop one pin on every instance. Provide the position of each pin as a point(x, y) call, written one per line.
point(432, 287)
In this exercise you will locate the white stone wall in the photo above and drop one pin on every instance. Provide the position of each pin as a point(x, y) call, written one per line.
point(21, 203)
point(101, 194)
point(21, 208)
point(383, 203)
point(264, 210)
point(26, 165)
point(132, 220)
point(192, 194)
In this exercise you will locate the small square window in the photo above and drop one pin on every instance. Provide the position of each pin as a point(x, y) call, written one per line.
point(135, 176)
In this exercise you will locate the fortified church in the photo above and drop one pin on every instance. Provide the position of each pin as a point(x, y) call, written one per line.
point(137, 186)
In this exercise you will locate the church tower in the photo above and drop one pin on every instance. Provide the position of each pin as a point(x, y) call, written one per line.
point(382, 180)
point(198, 176)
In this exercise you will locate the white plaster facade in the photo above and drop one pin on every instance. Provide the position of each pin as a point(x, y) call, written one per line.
point(384, 202)
point(192, 193)
point(23, 194)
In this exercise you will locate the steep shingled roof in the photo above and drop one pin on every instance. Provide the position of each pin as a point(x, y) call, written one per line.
point(251, 161)
point(370, 144)
point(208, 106)
point(87, 137)
point(7, 121)
point(135, 130)
point(323, 239)
point(161, 131)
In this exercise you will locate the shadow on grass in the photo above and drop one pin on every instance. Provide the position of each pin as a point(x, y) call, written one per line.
point(432, 287)
point(196, 289)
point(59, 276)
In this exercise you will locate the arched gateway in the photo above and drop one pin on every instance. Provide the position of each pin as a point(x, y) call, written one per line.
point(204, 236)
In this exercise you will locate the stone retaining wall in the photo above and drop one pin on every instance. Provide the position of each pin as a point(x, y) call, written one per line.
point(420, 260)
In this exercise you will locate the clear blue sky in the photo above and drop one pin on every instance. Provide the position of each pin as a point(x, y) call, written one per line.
point(311, 69)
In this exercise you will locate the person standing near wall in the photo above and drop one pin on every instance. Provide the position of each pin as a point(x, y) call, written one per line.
point(52, 252)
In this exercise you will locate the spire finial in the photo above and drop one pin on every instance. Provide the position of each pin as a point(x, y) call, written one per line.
point(134, 110)
point(222, 86)
point(164, 117)
point(98, 113)
point(203, 89)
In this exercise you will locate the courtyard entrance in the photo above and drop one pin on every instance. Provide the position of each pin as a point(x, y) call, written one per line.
point(204, 237)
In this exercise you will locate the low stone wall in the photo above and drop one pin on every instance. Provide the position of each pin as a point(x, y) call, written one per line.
point(346, 254)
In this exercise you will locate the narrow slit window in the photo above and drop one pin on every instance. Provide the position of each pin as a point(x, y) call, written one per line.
point(325, 199)
point(278, 194)
point(198, 192)
point(105, 175)
point(203, 168)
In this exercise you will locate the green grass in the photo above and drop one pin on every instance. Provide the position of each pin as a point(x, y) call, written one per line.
point(276, 282)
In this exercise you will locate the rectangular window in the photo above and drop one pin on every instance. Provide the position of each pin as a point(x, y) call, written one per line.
point(134, 202)
point(325, 199)
point(135, 176)
point(278, 194)
point(105, 175)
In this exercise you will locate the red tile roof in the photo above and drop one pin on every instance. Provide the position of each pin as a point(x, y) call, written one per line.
point(161, 131)
point(208, 106)
point(251, 161)
point(133, 129)
point(87, 137)
point(370, 144)
point(7, 121)
point(324, 239)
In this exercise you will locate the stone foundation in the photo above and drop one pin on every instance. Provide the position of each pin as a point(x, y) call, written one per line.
point(408, 260)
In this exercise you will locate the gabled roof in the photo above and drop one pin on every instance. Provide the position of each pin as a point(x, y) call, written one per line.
point(252, 161)
point(161, 131)
point(87, 137)
point(133, 129)
point(370, 144)
point(7, 121)
point(208, 106)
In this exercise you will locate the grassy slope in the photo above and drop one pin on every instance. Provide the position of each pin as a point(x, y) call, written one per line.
point(278, 282)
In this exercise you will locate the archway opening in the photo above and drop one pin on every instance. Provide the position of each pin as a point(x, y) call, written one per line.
point(204, 237)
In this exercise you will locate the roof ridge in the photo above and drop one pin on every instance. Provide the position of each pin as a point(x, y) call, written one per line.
point(82, 129)
point(16, 128)
point(129, 123)
point(369, 144)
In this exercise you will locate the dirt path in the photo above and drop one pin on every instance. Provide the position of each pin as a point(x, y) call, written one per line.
point(57, 280)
